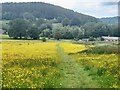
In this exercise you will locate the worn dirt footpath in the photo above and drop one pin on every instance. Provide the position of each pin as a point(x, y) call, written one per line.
point(73, 75)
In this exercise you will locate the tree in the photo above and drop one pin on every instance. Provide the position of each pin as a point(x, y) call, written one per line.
point(28, 16)
point(47, 33)
point(65, 22)
point(67, 32)
point(56, 32)
point(59, 19)
point(80, 35)
point(91, 39)
point(43, 27)
point(4, 26)
point(18, 28)
point(114, 30)
point(75, 32)
point(75, 22)
point(40, 21)
point(49, 25)
point(33, 32)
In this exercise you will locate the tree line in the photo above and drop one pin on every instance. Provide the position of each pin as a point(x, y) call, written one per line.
point(27, 29)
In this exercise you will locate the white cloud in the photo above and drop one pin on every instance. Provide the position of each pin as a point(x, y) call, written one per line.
point(97, 9)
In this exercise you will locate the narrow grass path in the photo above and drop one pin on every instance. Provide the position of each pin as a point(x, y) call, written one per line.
point(73, 75)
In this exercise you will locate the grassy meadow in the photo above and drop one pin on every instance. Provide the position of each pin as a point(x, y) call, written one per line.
point(57, 64)
point(100, 61)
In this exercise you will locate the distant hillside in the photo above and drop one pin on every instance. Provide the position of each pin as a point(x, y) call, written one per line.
point(110, 20)
point(41, 10)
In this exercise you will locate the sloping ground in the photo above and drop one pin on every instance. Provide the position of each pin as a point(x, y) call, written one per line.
point(73, 75)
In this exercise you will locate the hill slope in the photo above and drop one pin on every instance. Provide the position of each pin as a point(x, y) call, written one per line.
point(110, 20)
point(41, 10)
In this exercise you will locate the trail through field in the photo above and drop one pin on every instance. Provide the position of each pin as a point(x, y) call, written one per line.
point(73, 75)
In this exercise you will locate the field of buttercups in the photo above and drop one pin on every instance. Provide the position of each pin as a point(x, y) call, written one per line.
point(34, 64)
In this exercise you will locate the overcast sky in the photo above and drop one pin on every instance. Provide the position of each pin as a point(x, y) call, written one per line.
point(101, 8)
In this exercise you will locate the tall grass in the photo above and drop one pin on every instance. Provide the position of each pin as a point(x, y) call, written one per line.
point(103, 49)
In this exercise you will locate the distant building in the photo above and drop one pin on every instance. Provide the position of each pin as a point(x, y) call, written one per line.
point(108, 38)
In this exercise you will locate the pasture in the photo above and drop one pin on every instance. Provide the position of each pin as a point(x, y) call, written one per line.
point(56, 64)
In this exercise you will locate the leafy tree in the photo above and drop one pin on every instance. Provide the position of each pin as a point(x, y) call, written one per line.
point(91, 39)
point(80, 35)
point(65, 22)
point(40, 21)
point(28, 16)
point(18, 28)
point(4, 26)
point(49, 25)
point(75, 22)
point(33, 32)
point(96, 29)
point(56, 32)
point(113, 30)
point(43, 27)
point(67, 32)
point(47, 33)
point(59, 19)
point(75, 32)
point(88, 29)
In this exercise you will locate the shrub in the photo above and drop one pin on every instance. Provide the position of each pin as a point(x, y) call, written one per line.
point(91, 39)
point(102, 39)
point(44, 39)
point(76, 39)
point(103, 49)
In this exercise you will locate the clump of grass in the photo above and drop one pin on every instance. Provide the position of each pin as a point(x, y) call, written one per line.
point(103, 49)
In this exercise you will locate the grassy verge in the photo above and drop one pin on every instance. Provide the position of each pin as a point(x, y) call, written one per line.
point(72, 74)
point(103, 49)
point(101, 62)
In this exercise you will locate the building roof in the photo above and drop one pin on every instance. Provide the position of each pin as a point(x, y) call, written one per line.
point(110, 38)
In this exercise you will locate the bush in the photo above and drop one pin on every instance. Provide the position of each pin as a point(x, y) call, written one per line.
point(44, 39)
point(102, 39)
point(76, 39)
point(91, 39)
point(103, 49)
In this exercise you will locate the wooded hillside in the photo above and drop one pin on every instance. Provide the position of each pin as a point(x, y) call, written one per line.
point(41, 10)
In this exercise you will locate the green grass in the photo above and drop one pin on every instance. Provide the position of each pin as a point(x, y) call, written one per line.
point(103, 49)
point(72, 74)
point(101, 62)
